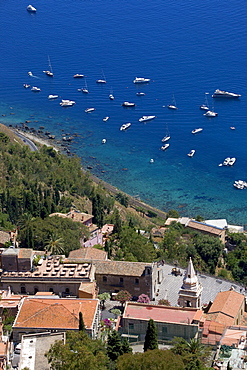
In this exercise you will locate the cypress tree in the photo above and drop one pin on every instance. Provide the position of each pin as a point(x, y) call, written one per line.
point(126, 346)
point(81, 322)
point(151, 341)
point(114, 346)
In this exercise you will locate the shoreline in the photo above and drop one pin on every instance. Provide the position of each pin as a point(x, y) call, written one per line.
point(133, 202)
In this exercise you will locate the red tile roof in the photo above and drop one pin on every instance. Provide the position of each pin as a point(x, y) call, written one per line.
point(52, 313)
point(228, 303)
point(144, 311)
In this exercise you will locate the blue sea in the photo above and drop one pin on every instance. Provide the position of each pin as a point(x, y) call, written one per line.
point(186, 48)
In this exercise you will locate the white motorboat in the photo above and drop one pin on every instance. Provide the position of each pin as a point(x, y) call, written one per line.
point(52, 97)
point(128, 104)
point(89, 110)
point(31, 9)
point(48, 73)
point(67, 103)
point(101, 81)
point(166, 138)
point(106, 119)
point(226, 161)
point(30, 74)
point(146, 118)
point(164, 147)
point(103, 141)
point(140, 93)
point(151, 160)
point(141, 80)
point(240, 184)
point(173, 104)
point(111, 97)
point(26, 86)
point(225, 94)
point(232, 161)
point(191, 153)
point(85, 90)
point(35, 89)
point(78, 75)
point(210, 113)
point(205, 106)
point(232, 128)
point(196, 130)
point(125, 126)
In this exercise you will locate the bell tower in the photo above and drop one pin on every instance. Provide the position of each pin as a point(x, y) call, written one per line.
point(191, 290)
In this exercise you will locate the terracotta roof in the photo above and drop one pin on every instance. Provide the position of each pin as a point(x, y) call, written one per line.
point(25, 253)
point(87, 287)
point(142, 311)
point(55, 313)
point(228, 303)
point(74, 215)
point(233, 336)
point(3, 348)
point(121, 268)
point(89, 253)
point(203, 227)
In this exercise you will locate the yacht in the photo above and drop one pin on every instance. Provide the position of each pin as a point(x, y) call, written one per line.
point(140, 93)
point(225, 94)
point(128, 104)
point(191, 153)
point(210, 113)
point(26, 86)
point(232, 161)
point(141, 80)
point(105, 119)
point(67, 103)
point(111, 97)
point(48, 73)
point(146, 118)
point(151, 160)
point(226, 161)
point(125, 126)
point(52, 97)
point(166, 138)
point(31, 9)
point(85, 90)
point(164, 147)
point(232, 128)
point(35, 89)
point(30, 74)
point(89, 110)
point(78, 75)
point(101, 81)
point(103, 141)
point(240, 184)
point(196, 130)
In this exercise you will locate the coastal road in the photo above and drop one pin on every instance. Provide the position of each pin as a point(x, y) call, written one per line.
point(26, 141)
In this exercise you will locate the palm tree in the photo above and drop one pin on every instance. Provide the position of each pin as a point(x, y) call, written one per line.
point(54, 244)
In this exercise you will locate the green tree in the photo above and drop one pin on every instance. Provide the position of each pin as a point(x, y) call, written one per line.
point(122, 296)
point(98, 210)
point(156, 360)
point(79, 352)
point(151, 341)
point(55, 244)
point(81, 322)
point(114, 345)
point(103, 297)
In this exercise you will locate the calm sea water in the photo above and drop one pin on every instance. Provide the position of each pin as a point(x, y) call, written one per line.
point(186, 48)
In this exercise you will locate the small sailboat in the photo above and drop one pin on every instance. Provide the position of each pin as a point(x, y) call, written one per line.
point(173, 104)
point(85, 88)
point(111, 96)
point(205, 106)
point(49, 72)
point(167, 136)
point(102, 80)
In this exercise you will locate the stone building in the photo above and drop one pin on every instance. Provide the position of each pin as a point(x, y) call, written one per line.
point(135, 277)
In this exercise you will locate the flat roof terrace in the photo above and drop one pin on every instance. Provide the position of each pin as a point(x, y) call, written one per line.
point(52, 268)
